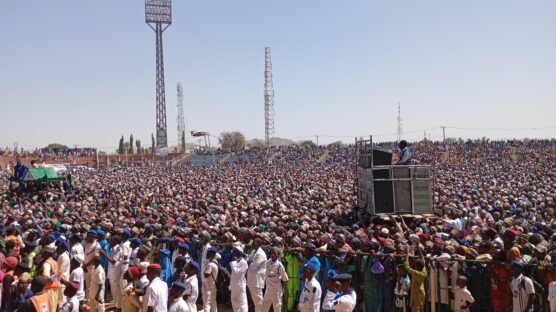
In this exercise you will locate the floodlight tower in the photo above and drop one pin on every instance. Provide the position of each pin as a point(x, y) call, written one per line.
point(268, 99)
point(181, 118)
point(158, 15)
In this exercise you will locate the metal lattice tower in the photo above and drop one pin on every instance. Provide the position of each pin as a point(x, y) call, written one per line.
point(268, 99)
point(158, 15)
point(181, 118)
point(399, 120)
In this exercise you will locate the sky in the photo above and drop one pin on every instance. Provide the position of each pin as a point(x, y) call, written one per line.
point(82, 73)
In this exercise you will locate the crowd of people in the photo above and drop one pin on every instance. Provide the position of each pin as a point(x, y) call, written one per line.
point(286, 233)
point(46, 154)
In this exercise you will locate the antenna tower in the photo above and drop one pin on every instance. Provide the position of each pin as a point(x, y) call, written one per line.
point(158, 15)
point(399, 120)
point(268, 99)
point(181, 118)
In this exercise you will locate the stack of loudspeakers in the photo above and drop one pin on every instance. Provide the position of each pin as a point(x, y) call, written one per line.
point(392, 196)
point(392, 189)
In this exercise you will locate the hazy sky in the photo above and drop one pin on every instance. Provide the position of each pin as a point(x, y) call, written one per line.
point(83, 72)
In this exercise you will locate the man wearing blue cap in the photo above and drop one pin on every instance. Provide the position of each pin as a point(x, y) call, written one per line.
point(63, 261)
point(92, 250)
point(237, 280)
point(125, 256)
point(346, 301)
point(104, 249)
point(309, 300)
point(176, 302)
point(133, 248)
point(183, 250)
point(522, 288)
point(208, 285)
point(114, 273)
point(192, 292)
point(126, 250)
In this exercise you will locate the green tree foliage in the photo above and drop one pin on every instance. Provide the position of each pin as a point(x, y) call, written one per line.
point(182, 147)
point(121, 149)
point(233, 140)
point(306, 143)
point(256, 143)
point(56, 146)
point(131, 144)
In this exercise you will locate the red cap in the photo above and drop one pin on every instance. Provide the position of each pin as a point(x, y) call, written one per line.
point(154, 266)
point(11, 262)
point(135, 272)
point(510, 233)
point(424, 236)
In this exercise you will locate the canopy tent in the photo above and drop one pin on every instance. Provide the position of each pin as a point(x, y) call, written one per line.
point(42, 174)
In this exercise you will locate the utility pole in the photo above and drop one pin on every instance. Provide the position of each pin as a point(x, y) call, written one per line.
point(399, 120)
point(443, 133)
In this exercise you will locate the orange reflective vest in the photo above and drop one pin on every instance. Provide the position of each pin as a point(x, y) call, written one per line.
point(53, 271)
point(15, 240)
point(42, 303)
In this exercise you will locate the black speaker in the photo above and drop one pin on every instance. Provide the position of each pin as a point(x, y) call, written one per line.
point(381, 174)
point(384, 197)
point(381, 157)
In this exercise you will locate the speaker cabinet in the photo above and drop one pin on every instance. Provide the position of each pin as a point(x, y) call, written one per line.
point(381, 157)
point(384, 197)
point(402, 193)
point(381, 174)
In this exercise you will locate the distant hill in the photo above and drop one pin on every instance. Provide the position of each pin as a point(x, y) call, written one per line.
point(278, 142)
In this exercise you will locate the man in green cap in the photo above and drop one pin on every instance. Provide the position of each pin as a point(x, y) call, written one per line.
point(205, 238)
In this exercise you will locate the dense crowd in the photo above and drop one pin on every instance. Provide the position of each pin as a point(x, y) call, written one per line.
point(46, 154)
point(289, 235)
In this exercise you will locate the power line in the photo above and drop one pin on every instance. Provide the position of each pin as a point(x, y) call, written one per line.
point(501, 129)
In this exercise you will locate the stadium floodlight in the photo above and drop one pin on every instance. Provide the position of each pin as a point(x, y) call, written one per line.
point(158, 11)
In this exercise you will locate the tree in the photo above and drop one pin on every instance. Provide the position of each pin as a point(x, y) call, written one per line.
point(255, 143)
point(138, 145)
point(182, 148)
point(153, 144)
point(336, 144)
point(233, 140)
point(56, 146)
point(306, 143)
point(121, 146)
point(131, 144)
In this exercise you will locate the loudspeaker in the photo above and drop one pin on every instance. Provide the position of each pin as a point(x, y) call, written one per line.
point(382, 157)
point(381, 174)
point(384, 197)
point(402, 193)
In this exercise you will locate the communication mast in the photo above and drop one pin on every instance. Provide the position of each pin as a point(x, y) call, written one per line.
point(158, 15)
point(399, 120)
point(268, 100)
point(181, 118)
